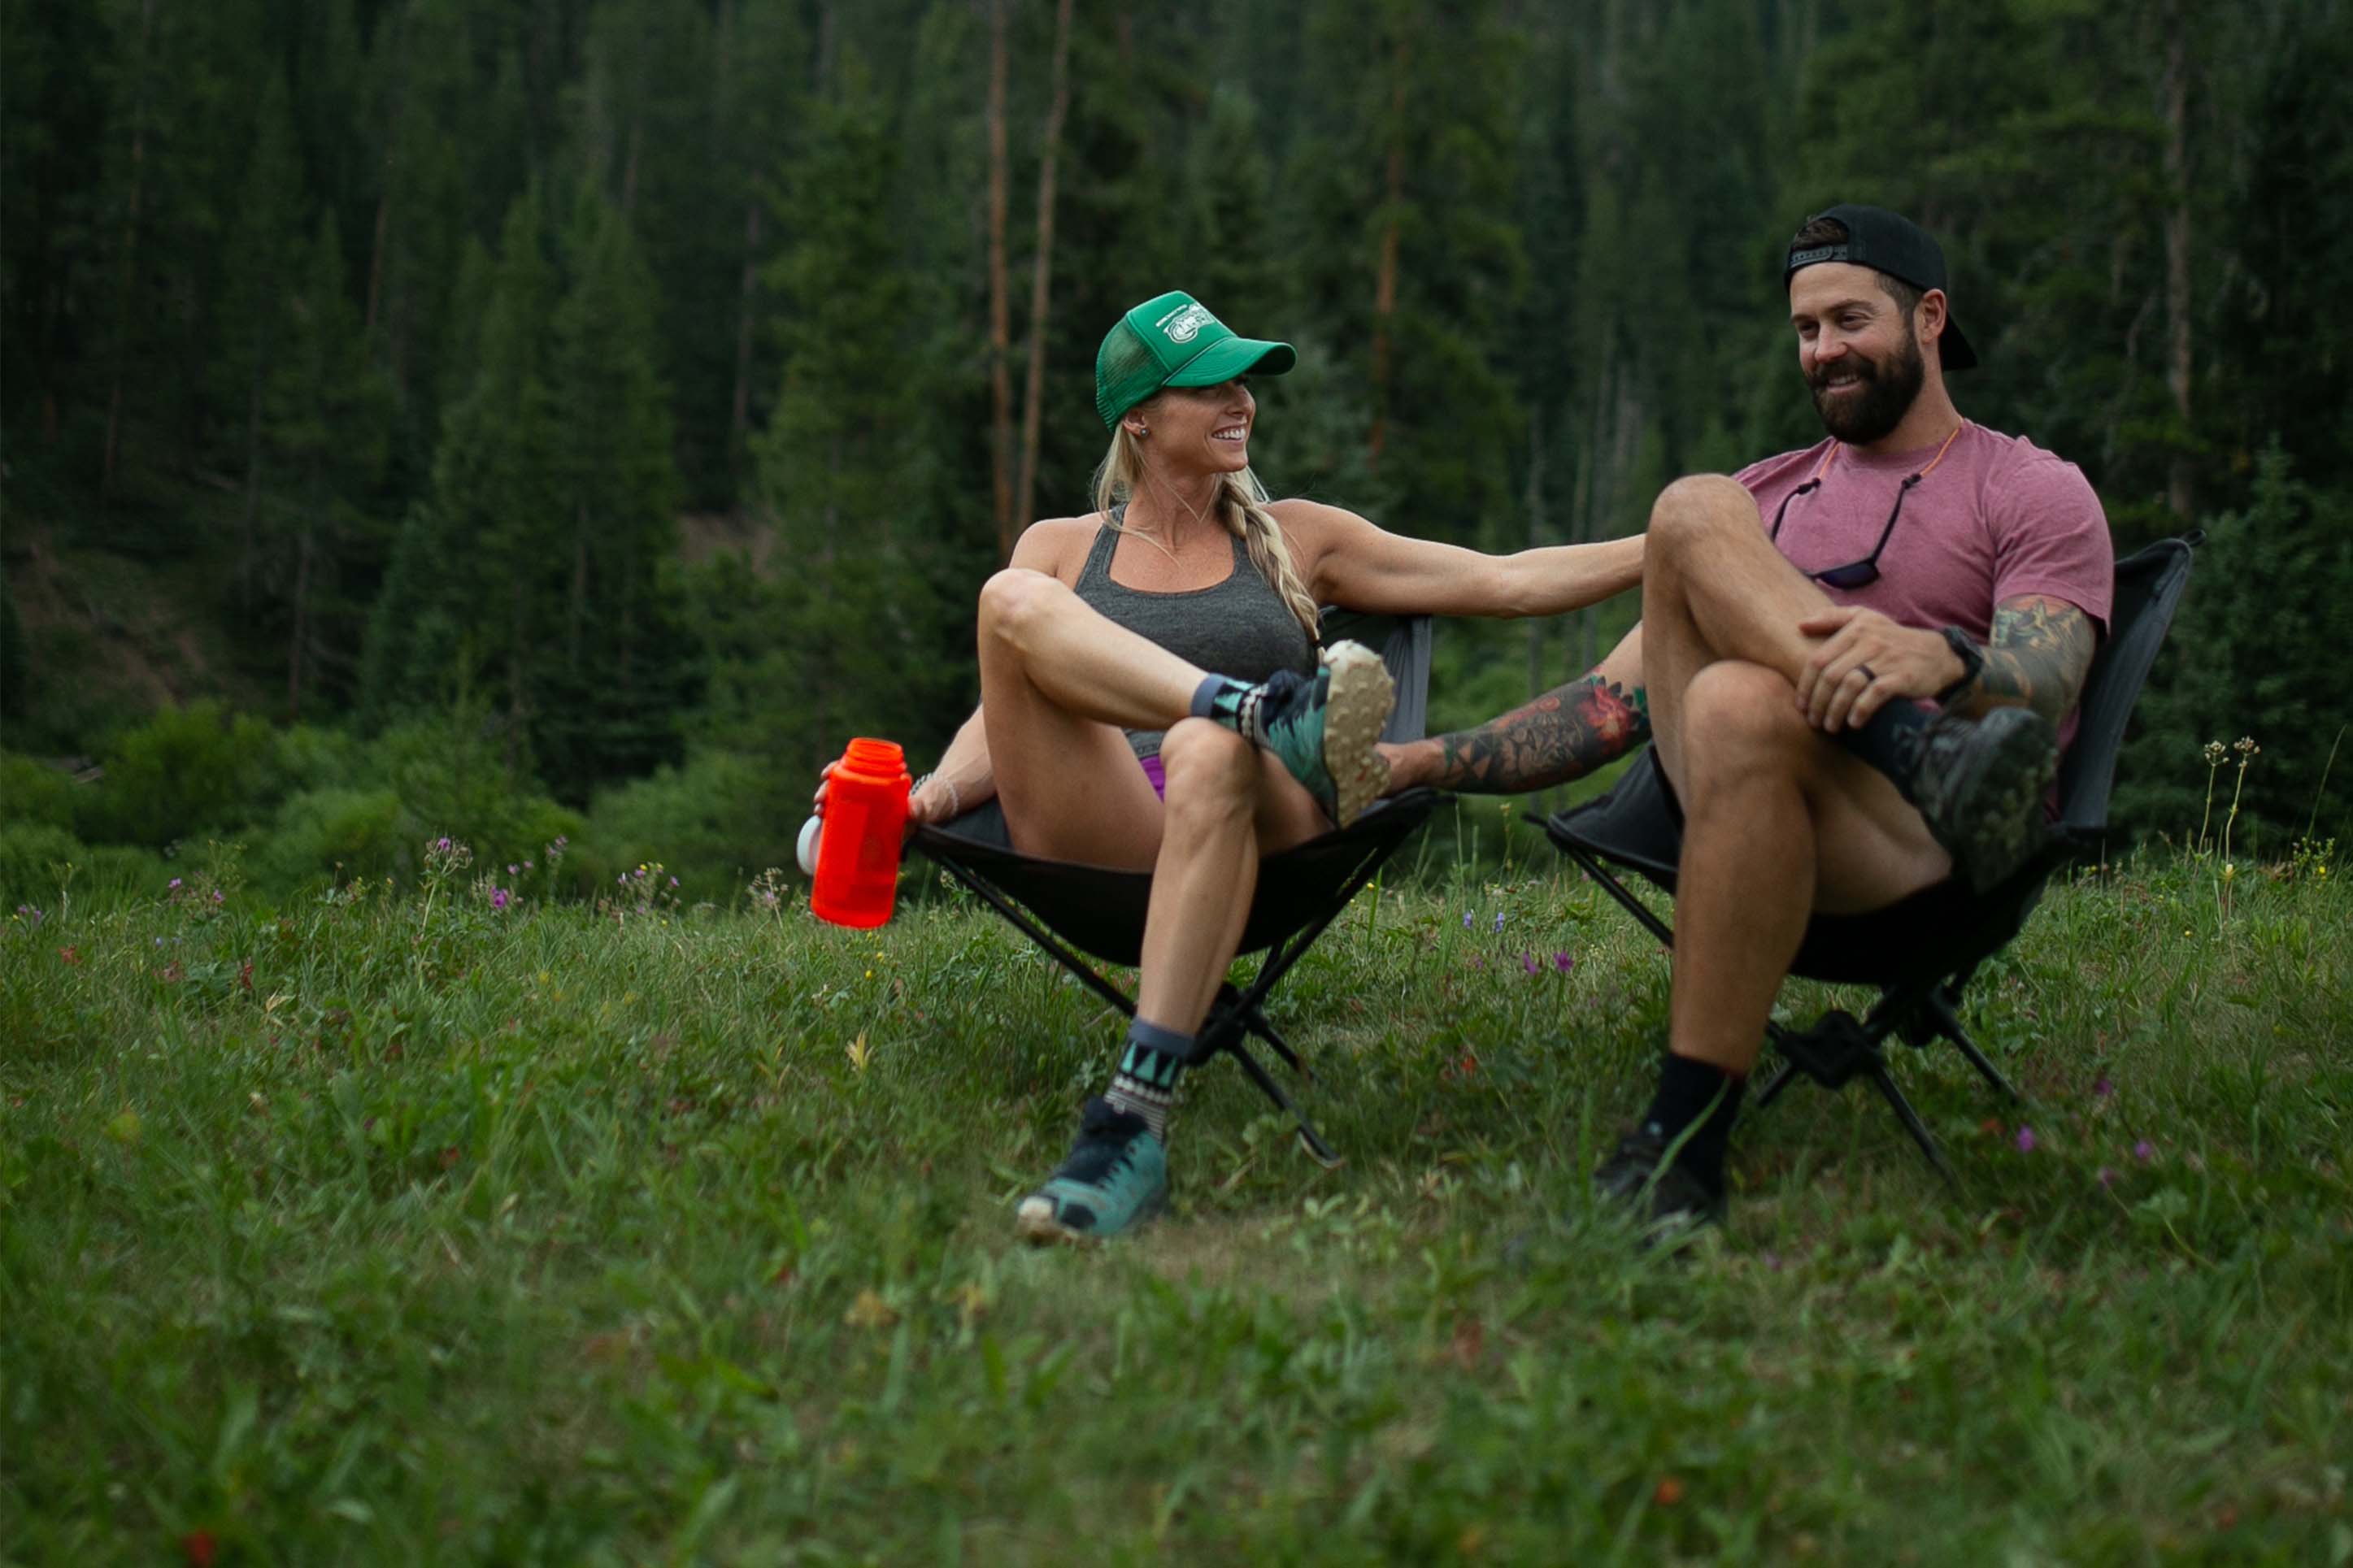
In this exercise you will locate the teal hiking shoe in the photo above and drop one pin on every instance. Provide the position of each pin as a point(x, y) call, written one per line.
point(1116, 1179)
point(1322, 728)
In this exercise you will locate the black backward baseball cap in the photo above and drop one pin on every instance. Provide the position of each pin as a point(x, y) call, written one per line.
point(1890, 243)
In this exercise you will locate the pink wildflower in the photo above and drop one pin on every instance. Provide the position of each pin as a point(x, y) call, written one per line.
point(498, 898)
point(2144, 1151)
point(1562, 961)
point(2026, 1139)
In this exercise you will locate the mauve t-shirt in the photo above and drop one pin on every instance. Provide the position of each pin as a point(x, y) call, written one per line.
point(1998, 518)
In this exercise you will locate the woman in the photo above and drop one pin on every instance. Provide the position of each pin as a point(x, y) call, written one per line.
point(1151, 698)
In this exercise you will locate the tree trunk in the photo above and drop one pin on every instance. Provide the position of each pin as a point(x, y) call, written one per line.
point(747, 294)
point(1385, 280)
point(1000, 321)
point(2176, 250)
point(302, 621)
point(130, 257)
point(1034, 391)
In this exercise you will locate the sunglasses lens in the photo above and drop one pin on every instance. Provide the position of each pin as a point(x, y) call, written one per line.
point(1859, 574)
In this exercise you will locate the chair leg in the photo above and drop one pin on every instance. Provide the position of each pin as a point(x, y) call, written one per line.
point(1912, 1123)
point(1309, 1139)
point(1257, 1024)
point(1779, 1082)
point(1948, 1023)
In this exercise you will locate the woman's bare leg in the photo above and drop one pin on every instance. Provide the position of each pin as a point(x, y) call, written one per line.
point(1058, 682)
point(1228, 804)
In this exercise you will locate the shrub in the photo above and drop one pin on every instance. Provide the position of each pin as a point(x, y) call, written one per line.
point(183, 769)
point(715, 823)
point(31, 857)
point(314, 833)
point(33, 793)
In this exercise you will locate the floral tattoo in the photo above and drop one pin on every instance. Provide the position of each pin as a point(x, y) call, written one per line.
point(2039, 655)
point(1564, 734)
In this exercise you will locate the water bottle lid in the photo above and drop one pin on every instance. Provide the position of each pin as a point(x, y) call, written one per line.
point(874, 759)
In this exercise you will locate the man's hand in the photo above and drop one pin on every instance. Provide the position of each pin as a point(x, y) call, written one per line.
point(1866, 660)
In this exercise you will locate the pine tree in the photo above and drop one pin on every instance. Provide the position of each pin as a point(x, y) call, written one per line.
point(609, 704)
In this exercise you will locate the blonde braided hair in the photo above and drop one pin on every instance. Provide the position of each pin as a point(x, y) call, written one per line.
point(1241, 508)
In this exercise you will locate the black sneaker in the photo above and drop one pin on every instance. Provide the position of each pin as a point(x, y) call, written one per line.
point(1981, 784)
point(1638, 1177)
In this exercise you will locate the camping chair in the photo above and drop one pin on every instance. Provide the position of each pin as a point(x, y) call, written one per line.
point(1300, 892)
point(1921, 951)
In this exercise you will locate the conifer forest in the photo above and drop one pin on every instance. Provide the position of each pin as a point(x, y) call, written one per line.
point(538, 418)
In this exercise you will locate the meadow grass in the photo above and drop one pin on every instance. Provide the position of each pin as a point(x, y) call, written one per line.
point(392, 1227)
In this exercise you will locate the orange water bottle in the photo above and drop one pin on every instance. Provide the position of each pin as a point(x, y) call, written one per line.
point(865, 824)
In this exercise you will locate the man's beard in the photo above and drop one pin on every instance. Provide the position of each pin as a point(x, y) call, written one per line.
point(1886, 395)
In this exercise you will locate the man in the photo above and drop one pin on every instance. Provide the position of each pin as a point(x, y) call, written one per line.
point(1858, 663)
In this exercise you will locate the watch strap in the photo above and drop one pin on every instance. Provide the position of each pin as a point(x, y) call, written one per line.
point(1972, 657)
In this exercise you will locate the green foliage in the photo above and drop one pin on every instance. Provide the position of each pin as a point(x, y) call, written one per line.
point(716, 822)
point(36, 792)
point(184, 770)
point(2257, 651)
point(465, 775)
point(333, 835)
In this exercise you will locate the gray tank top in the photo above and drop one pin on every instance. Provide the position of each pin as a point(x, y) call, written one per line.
point(1238, 627)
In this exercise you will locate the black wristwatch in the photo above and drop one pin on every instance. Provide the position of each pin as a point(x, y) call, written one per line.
point(1972, 659)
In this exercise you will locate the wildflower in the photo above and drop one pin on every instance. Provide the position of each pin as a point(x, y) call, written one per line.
point(2026, 1139)
point(2246, 746)
point(513, 868)
point(623, 879)
point(174, 885)
point(526, 864)
point(2144, 1151)
point(442, 844)
point(1563, 963)
point(2230, 870)
point(1466, 920)
point(2101, 1088)
point(498, 898)
point(1499, 920)
point(1528, 962)
point(2215, 753)
point(674, 881)
point(219, 897)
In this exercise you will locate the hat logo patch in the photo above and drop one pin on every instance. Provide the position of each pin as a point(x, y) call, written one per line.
point(1182, 326)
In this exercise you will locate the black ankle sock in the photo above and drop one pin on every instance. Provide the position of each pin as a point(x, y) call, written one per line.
point(1890, 742)
point(1705, 1098)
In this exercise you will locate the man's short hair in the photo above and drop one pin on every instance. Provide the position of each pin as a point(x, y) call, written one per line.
point(1830, 231)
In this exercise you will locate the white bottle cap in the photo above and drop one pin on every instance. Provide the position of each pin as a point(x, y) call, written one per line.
point(807, 850)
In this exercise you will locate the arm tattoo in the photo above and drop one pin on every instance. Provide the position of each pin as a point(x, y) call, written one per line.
point(1564, 734)
point(2039, 653)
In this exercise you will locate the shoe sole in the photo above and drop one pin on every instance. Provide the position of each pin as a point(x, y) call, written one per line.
point(1996, 822)
point(1355, 707)
point(1038, 1227)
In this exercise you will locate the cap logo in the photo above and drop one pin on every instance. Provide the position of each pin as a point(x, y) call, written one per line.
point(1184, 324)
point(1819, 253)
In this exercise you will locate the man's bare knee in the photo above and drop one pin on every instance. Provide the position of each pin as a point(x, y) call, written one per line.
point(1207, 767)
point(1695, 509)
point(1733, 708)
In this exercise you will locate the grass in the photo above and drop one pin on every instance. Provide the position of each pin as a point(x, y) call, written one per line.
point(393, 1227)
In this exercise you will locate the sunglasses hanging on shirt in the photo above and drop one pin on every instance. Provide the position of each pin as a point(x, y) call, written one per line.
point(1863, 573)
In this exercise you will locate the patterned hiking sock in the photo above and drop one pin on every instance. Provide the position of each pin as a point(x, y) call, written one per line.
point(1705, 1098)
point(1145, 1083)
point(1237, 705)
point(1893, 742)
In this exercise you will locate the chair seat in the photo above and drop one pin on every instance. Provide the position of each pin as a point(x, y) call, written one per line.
point(1100, 910)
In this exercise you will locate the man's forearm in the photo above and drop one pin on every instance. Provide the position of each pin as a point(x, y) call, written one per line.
point(2038, 656)
point(1564, 734)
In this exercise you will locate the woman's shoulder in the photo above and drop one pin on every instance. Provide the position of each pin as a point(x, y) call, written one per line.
point(1298, 515)
point(1057, 544)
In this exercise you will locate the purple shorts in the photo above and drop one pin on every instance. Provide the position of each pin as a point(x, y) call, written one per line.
point(1157, 773)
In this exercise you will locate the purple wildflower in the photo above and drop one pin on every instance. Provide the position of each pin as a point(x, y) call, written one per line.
point(1499, 920)
point(1562, 961)
point(2026, 1139)
point(1466, 920)
point(2101, 1088)
point(219, 897)
point(674, 881)
point(498, 898)
point(1528, 962)
point(1477, 962)
point(442, 844)
point(513, 868)
point(175, 886)
point(526, 864)
point(2144, 1151)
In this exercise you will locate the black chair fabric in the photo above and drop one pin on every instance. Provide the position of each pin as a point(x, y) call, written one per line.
point(1099, 910)
point(1921, 951)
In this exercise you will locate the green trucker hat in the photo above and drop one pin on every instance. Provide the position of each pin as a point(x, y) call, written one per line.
point(1173, 341)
